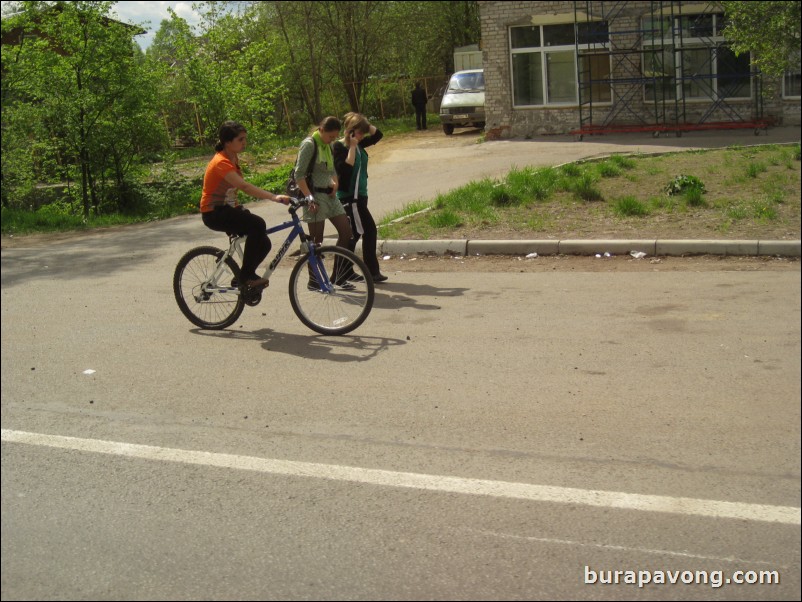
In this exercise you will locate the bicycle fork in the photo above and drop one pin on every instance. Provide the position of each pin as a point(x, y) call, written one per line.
point(317, 274)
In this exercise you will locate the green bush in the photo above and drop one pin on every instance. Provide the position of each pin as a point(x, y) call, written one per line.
point(681, 184)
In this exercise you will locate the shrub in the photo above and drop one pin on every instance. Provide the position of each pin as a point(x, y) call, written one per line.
point(681, 184)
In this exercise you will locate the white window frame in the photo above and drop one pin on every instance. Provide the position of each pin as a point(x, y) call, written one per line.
point(690, 43)
point(544, 51)
point(788, 74)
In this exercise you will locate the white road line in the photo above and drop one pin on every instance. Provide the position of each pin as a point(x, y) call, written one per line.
point(387, 478)
point(598, 546)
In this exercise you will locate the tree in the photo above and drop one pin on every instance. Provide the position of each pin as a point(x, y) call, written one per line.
point(79, 93)
point(224, 71)
point(357, 34)
point(770, 31)
point(349, 44)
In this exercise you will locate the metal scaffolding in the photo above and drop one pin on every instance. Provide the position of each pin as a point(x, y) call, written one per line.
point(658, 58)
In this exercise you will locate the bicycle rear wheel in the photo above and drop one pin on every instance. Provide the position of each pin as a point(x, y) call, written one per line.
point(344, 305)
point(212, 305)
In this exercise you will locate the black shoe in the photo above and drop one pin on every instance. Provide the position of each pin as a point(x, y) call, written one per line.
point(354, 277)
point(379, 277)
point(312, 285)
point(346, 286)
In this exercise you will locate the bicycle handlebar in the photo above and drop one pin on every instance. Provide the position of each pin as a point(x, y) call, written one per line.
point(296, 204)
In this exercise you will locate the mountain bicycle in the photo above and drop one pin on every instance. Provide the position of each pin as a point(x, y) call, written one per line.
point(331, 289)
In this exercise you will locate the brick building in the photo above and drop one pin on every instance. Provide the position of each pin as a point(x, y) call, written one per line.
point(599, 67)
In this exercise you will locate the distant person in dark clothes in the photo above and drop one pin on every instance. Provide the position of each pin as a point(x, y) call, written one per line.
point(419, 101)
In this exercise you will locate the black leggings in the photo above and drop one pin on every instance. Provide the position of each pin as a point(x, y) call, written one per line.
point(239, 220)
point(363, 226)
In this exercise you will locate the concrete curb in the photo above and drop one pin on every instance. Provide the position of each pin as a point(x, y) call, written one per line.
point(786, 248)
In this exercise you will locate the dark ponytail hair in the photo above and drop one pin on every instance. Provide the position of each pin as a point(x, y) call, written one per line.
point(330, 124)
point(228, 131)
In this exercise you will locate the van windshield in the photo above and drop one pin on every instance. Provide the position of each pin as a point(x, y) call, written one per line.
point(467, 82)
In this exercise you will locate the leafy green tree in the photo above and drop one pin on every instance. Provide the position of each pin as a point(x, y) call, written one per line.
point(173, 44)
point(222, 70)
point(76, 89)
point(357, 32)
point(768, 30)
point(351, 44)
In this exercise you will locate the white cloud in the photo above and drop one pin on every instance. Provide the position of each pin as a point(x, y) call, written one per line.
point(150, 15)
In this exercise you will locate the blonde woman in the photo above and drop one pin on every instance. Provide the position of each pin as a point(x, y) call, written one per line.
point(351, 163)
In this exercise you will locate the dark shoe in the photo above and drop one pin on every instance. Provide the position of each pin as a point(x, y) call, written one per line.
point(379, 277)
point(312, 285)
point(257, 283)
point(347, 286)
point(354, 277)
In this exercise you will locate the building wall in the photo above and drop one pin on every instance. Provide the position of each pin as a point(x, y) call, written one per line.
point(503, 121)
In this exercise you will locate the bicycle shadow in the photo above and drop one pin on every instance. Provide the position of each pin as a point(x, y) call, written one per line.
point(403, 294)
point(347, 348)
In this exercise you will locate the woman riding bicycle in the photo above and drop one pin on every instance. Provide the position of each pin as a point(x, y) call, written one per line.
point(220, 207)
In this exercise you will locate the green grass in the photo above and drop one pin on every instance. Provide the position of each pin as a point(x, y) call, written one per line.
point(630, 206)
point(723, 189)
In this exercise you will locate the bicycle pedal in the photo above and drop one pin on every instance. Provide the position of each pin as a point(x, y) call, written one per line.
point(252, 297)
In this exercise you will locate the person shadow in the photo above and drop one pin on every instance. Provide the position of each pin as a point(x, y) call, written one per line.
point(397, 295)
point(344, 348)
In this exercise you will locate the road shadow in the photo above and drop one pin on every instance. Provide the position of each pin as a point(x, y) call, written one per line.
point(398, 295)
point(100, 254)
point(347, 348)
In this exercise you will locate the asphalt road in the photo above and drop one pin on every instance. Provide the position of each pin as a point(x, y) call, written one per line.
point(481, 436)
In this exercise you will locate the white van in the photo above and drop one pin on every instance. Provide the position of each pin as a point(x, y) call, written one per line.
point(463, 103)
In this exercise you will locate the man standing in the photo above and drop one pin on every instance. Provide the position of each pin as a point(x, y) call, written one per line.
point(419, 102)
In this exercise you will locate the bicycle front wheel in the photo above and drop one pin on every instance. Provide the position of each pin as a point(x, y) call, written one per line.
point(336, 297)
point(206, 295)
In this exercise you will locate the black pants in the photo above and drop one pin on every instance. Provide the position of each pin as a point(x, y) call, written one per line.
point(239, 220)
point(420, 118)
point(363, 226)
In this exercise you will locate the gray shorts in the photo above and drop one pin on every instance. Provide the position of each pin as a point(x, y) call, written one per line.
point(327, 207)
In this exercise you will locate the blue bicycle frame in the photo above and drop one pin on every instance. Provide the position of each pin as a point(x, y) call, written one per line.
point(307, 245)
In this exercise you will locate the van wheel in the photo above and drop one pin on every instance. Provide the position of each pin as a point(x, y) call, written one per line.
point(448, 129)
